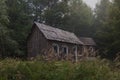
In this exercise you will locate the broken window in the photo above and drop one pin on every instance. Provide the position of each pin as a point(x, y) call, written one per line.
point(65, 49)
point(56, 48)
point(75, 49)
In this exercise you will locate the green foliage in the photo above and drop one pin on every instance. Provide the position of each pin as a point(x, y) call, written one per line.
point(102, 15)
point(3, 13)
point(17, 17)
point(6, 42)
point(56, 14)
point(39, 70)
point(80, 19)
point(70, 15)
point(20, 23)
point(108, 21)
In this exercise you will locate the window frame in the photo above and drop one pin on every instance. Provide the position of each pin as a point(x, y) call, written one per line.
point(76, 49)
point(63, 47)
point(58, 48)
point(75, 52)
point(91, 48)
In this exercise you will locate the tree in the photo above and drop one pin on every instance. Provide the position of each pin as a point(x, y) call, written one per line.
point(71, 15)
point(80, 18)
point(56, 14)
point(3, 22)
point(102, 12)
point(5, 39)
point(114, 29)
point(38, 8)
point(20, 21)
point(101, 18)
point(108, 33)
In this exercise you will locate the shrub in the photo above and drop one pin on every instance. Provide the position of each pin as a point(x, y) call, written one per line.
point(11, 69)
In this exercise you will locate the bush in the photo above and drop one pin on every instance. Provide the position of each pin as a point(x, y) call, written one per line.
point(40, 70)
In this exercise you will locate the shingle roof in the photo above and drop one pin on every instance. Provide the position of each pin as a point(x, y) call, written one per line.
point(51, 33)
point(87, 41)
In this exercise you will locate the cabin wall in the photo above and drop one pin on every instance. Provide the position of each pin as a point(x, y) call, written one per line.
point(36, 43)
point(89, 51)
point(71, 54)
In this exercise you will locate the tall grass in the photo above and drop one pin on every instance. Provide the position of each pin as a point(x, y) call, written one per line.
point(11, 69)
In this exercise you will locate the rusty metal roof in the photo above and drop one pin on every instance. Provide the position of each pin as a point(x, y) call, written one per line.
point(51, 33)
point(87, 41)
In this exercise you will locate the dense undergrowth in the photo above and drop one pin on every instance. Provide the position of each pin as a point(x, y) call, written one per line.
point(11, 69)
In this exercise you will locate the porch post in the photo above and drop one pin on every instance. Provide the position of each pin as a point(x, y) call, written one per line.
point(76, 54)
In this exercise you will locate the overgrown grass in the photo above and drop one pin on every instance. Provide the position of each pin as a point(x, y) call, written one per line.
point(11, 69)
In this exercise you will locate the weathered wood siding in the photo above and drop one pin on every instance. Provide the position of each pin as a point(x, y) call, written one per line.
point(71, 54)
point(89, 51)
point(36, 42)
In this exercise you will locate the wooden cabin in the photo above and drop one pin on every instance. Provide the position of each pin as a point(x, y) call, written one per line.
point(53, 43)
point(89, 48)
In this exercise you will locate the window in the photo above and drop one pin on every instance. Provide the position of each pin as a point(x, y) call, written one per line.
point(75, 53)
point(56, 48)
point(75, 49)
point(91, 49)
point(65, 49)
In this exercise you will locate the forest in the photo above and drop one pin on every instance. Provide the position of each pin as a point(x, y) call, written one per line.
point(102, 23)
